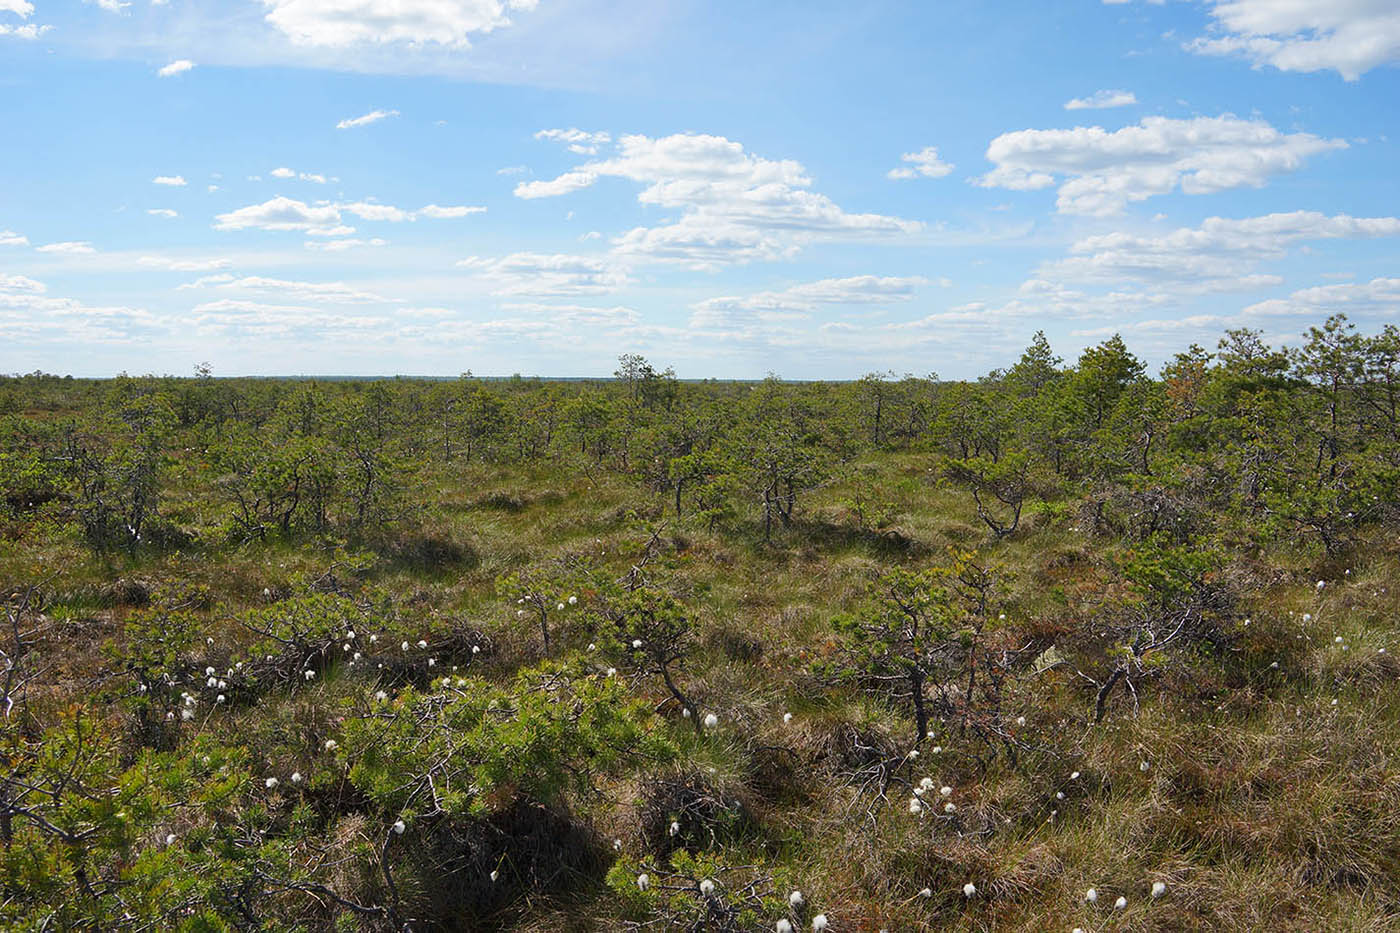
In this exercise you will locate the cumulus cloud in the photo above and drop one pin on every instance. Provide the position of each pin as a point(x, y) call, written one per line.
point(177, 67)
point(172, 264)
point(20, 283)
point(374, 116)
point(802, 299)
point(26, 31)
point(339, 23)
point(450, 212)
point(284, 172)
point(734, 206)
point(337, 246)
point(924, 163)
point(1221, 254)
point(10, 238)
point(333, 292)
point(1350, 37)
point(173, 181)
point(557, 274)
point(281, 213)
point(21, 8)
point(1103, 171)
point(29, 314)
point(567, 183)
point(1378, 296)
point(72, 247)
point(576, 140)
point(1102, 100)
point(325, 219)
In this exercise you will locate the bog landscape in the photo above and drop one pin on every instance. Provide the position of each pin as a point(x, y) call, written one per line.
point(1060, 644)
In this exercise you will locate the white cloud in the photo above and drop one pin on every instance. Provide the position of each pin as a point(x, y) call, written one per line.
point(337, 246)
point(1348, 36)
point(374, 116)
point(1219, 255)
point(800, 300)
point(734, 206)
point(29, 315)
point(1378, 296)
point(447, 213)
point(924, 163)
point(10, 238)
point(566, 183)
point(162, 212)
point(370, 211)
point(27, 31)
point(512, 170)
point(20, 283)
point(557, 274)
point(333, 292)
point(284, 172)
point(1102, 100)
point(282, 213)
point(177, 67)
point(174, 181)
point(339, 23)
point(21, 8)
point(1104, 170)
point(578, 141)
point(69, 247)
point(324, 219)
point(112, 6)
point(172, 264)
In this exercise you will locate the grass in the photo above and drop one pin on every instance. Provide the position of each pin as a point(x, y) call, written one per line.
point(1270, 801)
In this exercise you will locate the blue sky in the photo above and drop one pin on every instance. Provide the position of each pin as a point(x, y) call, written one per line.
point(815, 189)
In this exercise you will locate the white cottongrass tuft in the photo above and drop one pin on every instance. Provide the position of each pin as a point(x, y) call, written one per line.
point(707, 887)
point(296, 777)
point(969, 889)
point(1091, 896)
point(636, 643)
point(495, 875)
point(1121, 903)
point(787, 717)
point(950, 807)
point(675, 828)
point(643, 881)
point(573, 600)
point(1159, 888)
point(270, 783)
point(926, 892)
point(399, 827)
point(782, 926)
point(422, 643)
point(795, 900)
point(819, 923)
point(332, 745)
point(711, 720)
point(170, 839)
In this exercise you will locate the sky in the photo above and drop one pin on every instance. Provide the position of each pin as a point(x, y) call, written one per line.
point(807, 188)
